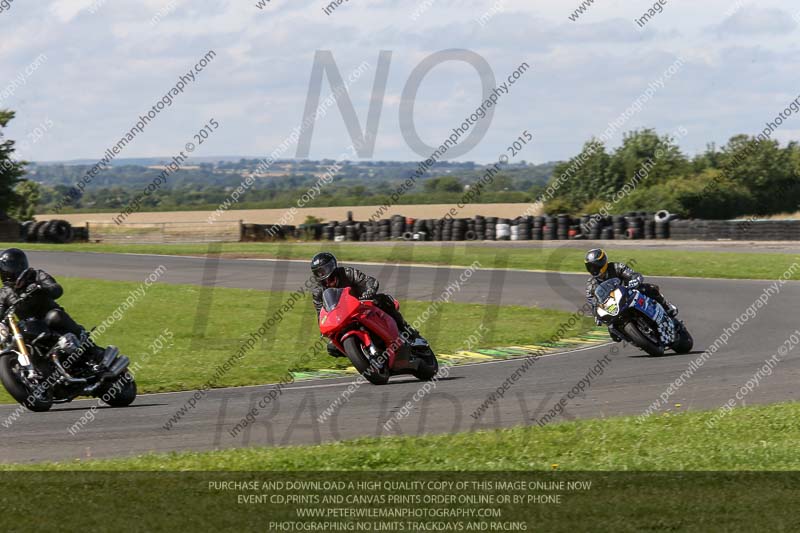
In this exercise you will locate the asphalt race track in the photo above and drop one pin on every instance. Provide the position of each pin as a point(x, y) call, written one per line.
point(629, 384)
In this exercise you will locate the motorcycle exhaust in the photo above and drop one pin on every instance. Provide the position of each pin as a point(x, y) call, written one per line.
point(88, 391)
point(66, 376)
point(118, 367)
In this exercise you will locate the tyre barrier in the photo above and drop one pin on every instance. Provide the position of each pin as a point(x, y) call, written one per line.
point(632, 226)
point(736, 230)
point(51, 231)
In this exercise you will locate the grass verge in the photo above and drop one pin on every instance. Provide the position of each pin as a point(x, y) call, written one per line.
point(760, 438)
point(206, 334)
point(729, 265)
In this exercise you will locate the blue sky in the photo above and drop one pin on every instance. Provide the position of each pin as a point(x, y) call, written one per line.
point(109, 61)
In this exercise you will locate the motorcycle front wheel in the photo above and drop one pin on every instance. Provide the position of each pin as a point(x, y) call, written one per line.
point(642, 341)
point(37, 399)
point(358, 355)
point(121, 393)
point(429, 367)
point(685, 342)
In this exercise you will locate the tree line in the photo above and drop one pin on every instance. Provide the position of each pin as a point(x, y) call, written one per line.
point(746, 176)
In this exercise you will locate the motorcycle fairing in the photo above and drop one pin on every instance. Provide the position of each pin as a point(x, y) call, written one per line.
point(654, 311)
point(648, 307)
point(336, 310)
point(339, 306)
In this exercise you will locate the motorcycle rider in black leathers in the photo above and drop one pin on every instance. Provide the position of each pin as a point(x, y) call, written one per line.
point(329, 274)
point(601, 269)
point(42, 289)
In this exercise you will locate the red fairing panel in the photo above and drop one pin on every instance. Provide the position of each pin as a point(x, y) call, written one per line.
point(351, 309)
point(346, 310)
point(384, 326)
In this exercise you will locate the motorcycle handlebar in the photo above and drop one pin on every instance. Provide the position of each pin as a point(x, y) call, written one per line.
point(13, 307)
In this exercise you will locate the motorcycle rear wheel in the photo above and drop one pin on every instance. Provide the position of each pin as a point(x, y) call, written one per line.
point(9, 376)
point(640, 339)
point(357, 354)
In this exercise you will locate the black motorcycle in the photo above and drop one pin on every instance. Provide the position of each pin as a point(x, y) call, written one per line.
point(39, 367)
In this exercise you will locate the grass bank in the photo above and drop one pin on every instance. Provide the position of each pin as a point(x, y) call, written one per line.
point(763, 438)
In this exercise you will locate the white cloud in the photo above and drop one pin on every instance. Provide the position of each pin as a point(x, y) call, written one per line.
point(756, 21)
point(107, 67)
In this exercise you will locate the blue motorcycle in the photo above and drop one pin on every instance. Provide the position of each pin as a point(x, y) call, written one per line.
point(632, 316)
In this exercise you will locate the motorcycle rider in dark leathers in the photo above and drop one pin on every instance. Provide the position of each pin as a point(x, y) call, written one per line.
point(42, 290)
point(601, 269)
point(328, 274)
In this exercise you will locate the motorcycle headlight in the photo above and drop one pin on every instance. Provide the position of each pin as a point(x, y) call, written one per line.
point(612, 304)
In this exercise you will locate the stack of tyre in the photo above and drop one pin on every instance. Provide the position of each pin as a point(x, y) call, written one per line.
point(503, 229)
point(252, 232)
point(311, 231)
point(52, 231)
point(447, 229)
point(479, 227)
point(398, 226)
point(661, 223)
point(421, 229)
point(522, 229)
point(490, 225)
point(537, 228)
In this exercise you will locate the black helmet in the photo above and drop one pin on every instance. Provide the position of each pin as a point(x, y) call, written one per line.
point(596, 262)
point(13, 262)
point(323, 265)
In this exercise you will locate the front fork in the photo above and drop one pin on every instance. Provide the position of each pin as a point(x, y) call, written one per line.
point(616, 335)
point(24, 356)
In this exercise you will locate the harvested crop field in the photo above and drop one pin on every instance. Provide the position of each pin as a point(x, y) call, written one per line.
point(274, 216)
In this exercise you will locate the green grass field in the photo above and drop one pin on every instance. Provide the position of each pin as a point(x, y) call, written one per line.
point(750, 438)
point(729, 265)
point(234, 313)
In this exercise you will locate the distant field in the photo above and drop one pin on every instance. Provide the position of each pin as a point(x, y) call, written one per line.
point(273, 216)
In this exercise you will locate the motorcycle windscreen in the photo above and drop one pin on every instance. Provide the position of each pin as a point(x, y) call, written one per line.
point(605, 289)
point(331, 298)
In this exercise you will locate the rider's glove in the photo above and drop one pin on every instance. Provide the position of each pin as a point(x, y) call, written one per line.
point(25, 279)
point(632, 284)
point(30, 289)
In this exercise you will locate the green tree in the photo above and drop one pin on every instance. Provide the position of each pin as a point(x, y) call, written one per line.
point(765, 169)
point(501, 182)
point(444, 184)
point(580, 180)
point(644, 154)
point(11, 171)
point(27, 195)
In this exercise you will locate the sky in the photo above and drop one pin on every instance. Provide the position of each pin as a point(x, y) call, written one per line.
point(79, 73)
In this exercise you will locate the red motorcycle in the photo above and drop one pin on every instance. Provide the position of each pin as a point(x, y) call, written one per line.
point(371, 339)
